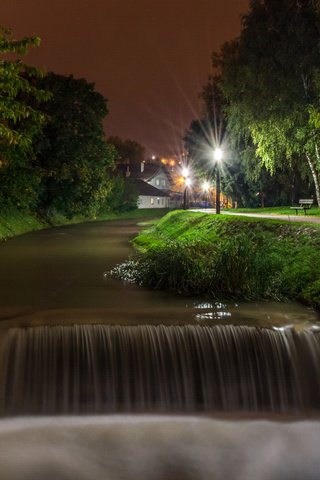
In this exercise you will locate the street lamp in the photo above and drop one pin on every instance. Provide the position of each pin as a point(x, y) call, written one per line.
point(217, 155)
point(187, 183)
point(205, 188)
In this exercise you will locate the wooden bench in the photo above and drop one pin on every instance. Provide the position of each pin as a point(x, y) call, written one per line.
point(304, 204)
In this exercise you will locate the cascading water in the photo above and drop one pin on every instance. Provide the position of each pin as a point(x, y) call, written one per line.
point(110, 369)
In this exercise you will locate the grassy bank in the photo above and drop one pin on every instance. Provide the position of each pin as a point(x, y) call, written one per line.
point(239, 257)
point(314, 211)
point(13, 222)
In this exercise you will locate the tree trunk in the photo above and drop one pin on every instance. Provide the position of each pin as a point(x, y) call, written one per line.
point(315, 175)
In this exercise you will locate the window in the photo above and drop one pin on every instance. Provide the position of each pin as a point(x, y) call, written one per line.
point(158, 201)
point(157, 182)
point(152, 200)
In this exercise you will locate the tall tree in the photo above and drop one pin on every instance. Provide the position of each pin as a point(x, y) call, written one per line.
point(72, 152)
point(20, 122)
point(127, 151)
point(270, 81)
point(210, 132)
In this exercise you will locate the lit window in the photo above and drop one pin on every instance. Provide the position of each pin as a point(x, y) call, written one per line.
point(152, 201)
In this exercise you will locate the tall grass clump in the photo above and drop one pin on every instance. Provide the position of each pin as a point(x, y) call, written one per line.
point(195, 253)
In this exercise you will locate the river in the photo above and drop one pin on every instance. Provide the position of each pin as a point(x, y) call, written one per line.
point(58, 276)
point(109, 381)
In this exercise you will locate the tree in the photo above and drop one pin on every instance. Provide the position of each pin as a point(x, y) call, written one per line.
point(20, 122)
point(270, 81)
point(74, 157)
point(128, 151)
point(123, 195)
point(208, 133)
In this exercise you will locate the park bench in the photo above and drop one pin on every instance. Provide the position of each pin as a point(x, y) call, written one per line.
point(304, 204)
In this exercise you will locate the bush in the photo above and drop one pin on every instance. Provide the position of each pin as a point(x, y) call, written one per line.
point(226, 257)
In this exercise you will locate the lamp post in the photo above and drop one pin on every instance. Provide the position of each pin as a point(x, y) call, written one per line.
point(205, 188)
point(217, 155)
point(187, 183)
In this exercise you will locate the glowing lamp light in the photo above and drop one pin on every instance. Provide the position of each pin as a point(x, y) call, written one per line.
point(188, 182)
point(185, 172)
point(217, 154)
point(205, 186)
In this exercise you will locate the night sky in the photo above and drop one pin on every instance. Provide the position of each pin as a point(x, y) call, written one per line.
point(149, 58)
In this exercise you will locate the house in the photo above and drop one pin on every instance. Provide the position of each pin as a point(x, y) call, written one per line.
point(153, 183)
point(150, 196)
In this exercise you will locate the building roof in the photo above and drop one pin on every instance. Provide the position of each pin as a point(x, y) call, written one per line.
point(149, 171)
point(148, 190)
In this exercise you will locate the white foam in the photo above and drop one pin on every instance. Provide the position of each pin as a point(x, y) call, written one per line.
point(157, 448)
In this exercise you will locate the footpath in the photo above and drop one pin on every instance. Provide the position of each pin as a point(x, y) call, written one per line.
point(290, 218)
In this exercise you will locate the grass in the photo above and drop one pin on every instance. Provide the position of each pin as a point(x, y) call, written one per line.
point(139, 213)
point(14, 222)
point(314, 211)
point(225, 256)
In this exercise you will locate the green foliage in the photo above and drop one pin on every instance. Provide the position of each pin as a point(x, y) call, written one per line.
point(20, 123)
point(14, 222)
point(122, 196)
point(269, 78)
point(73, 155)
point(230, 257)
point(171, 266)
point(19, 184)
point(127, 151)
point(311, 294)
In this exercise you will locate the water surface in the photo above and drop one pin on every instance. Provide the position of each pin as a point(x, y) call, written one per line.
point(57, 276)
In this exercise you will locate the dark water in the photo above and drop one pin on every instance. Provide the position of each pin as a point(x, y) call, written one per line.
point(57, 276)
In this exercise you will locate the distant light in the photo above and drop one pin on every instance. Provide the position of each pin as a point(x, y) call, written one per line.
point(217, 154)
point(153, 157)
point(185, 172)
point(188, 182)
point(205, 186)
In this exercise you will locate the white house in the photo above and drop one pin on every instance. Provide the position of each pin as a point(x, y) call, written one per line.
point(153, 183)
point(150, 196)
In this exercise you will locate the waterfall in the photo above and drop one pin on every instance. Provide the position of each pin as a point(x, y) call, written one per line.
point(163, 369)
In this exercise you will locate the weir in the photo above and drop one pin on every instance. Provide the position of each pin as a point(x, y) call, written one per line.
point(158, 369)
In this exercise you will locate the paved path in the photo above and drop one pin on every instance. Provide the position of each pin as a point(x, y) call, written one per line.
point(290, 218)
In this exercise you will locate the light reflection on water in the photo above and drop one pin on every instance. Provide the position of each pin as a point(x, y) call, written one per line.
point(213, 311)
point(267, 314)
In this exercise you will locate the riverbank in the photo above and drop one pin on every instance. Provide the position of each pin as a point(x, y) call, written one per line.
point(13, 222)
point(314, 211)
point(229, 257)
